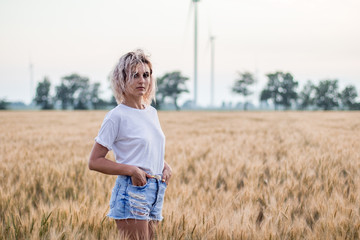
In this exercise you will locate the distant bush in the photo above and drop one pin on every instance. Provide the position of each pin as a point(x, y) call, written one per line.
point(3, 104)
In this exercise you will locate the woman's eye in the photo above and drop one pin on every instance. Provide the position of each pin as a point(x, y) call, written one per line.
point(136, 75)
point(146, 75)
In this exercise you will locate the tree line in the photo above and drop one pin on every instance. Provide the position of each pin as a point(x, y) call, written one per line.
point(281, 91)
point(76, 92)
point(73, 92)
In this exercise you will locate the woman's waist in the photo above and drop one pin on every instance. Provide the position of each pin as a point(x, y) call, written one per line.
point(148, 167)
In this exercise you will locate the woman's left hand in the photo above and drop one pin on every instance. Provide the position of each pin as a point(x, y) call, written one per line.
point(166, 173)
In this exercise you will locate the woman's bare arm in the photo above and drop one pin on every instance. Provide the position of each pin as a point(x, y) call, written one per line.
point(99, 163)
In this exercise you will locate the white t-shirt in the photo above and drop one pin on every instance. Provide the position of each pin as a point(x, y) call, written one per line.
point(135, 136)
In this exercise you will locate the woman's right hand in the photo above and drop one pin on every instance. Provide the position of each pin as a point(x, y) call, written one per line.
point(138, 177)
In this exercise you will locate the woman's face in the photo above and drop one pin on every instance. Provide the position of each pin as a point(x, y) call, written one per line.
point(139, 85)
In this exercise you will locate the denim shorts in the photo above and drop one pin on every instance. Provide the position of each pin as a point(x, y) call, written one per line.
point(137, 202)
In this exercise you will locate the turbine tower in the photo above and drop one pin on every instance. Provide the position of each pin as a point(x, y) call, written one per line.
point(195, 51)
point(31, 68)
point(212, 38)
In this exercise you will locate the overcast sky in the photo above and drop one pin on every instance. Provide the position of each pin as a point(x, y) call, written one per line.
point(312, 39)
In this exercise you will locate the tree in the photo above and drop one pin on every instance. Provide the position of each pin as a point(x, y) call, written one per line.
point(327, 95)
point(171, 85)
point(287, 89)
point(280, 89)
point(112, 101)
point(160, 93)
point(158, 101)
point(63, 95)
point(264, 96)
point(3, 104)
point(271, 91)
point(94, 95)
point(241, 85)
point(73, 91)
point(348, 97)
point(356, 106)
point(43, 97)
point(307, 95)
point(82, 96)
point(96, 101)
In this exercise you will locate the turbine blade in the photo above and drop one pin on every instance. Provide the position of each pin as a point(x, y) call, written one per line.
point(187, 25)
point(189, 13)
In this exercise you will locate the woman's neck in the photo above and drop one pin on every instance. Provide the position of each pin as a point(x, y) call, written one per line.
point(134, 103)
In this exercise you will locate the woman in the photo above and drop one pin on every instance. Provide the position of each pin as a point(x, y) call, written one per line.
point(132, 130)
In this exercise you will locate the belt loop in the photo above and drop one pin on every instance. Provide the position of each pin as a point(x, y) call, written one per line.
point(158, 177)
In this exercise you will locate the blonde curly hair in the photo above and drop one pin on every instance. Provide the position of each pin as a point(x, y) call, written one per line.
point(124, 71)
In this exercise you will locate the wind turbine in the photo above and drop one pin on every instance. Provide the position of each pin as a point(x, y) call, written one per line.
point(212, 39)
point(31, 68)
point(195, 50)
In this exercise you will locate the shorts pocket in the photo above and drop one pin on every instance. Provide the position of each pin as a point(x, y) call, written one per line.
point(114, 195)
point(139, 187)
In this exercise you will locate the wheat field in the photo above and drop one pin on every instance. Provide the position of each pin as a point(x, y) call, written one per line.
point(236, 175)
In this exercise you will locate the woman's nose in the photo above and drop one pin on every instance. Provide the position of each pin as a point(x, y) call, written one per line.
point(141, 79)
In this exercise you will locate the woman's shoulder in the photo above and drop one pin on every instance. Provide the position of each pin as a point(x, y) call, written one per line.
point(114, 114)
point(121, 111)
point(152, 108)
